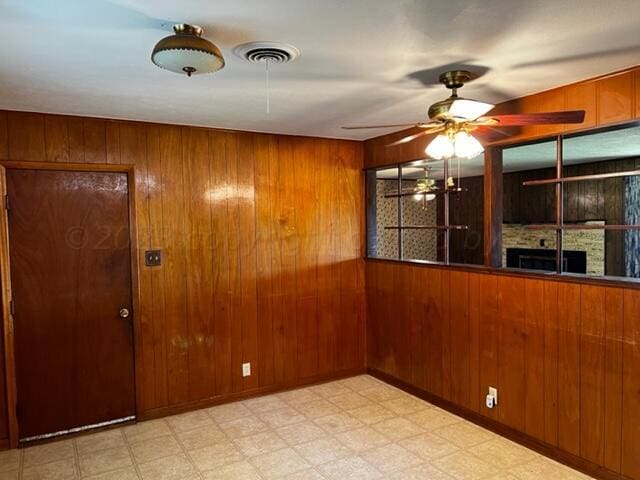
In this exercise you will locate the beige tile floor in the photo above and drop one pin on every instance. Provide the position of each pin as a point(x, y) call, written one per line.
point(357, 428)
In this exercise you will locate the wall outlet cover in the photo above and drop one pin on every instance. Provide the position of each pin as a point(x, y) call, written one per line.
point(494, 393)
point(490, 401)
point(246, 369)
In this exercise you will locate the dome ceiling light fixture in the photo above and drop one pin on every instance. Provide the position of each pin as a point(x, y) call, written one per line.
point(186, 52)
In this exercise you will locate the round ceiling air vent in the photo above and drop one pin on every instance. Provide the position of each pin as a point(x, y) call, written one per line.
point(272, 52)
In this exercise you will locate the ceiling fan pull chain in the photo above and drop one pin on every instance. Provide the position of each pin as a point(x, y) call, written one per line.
point(266, 62)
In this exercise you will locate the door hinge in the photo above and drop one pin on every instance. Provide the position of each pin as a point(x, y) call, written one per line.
point(7, 205)
point(12, 307)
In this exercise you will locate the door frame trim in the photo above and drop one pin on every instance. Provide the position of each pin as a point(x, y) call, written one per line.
point(5, 279)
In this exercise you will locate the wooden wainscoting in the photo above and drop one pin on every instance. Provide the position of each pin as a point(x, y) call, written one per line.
point(262, 244)
point(564, 356)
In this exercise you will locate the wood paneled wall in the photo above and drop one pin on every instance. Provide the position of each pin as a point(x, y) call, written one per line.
point(565, 357)
point(262, 241)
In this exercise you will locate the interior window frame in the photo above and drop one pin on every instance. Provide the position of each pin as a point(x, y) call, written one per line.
point(446, 227)
point(560, 178)
point(493, 237)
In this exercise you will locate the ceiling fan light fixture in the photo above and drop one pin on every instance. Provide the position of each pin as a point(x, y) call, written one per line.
point(419, 197)
point(460, 145)
point(186, 52)
point(440, 148)
point(466, 146)
point(468, 109)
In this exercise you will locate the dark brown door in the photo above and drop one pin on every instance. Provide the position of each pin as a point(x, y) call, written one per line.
point(70, 277)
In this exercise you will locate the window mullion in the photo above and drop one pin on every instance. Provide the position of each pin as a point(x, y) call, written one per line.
point(447, 232)
point(559, 204)
point(400, 222)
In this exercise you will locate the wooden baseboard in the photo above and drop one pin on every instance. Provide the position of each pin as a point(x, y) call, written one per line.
point(550, 451)
point(233, 397)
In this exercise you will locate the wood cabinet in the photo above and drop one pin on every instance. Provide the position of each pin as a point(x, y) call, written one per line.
point(582, 96)
point(615, 98)
point(549, 101)
point(636, 86)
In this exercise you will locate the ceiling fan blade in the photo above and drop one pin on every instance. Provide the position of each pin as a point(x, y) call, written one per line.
point(428, 125)
point(359, 127)
point(469, 109)
point(489, 134)
point(407, 139)
point(543, 118)
point(410, 138)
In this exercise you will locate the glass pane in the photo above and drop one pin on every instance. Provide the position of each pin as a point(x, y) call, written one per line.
point(586, 250)
point(421, 201)
point(382, 213)
point(467, 208)
point(524, 206)
point(528, 249)
point(594, 203)
point(420, 193)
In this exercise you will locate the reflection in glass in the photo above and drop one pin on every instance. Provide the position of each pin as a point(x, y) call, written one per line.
point(599, 202)
point(528, 249)
point(420, 209)
point(383, 207)
point(523, 247)
point(417, 199)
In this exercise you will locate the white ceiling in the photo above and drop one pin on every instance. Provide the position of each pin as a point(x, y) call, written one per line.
point(362, 61)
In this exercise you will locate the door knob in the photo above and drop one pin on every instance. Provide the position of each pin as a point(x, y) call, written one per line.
point(124, 312)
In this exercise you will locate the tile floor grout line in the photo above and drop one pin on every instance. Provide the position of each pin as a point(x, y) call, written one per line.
point(53, 442)
point(21, 465)
point(230, 439)
point(130, 450)
point(110, 470)
point(76, 457)
point(183, 449)
point(172, 434)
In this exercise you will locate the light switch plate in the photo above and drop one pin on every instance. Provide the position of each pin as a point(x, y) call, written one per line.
point(246, 369)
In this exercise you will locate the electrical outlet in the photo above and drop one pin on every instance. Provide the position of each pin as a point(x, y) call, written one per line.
point(492, 397)
point(490, 402)
point(246, 369)
point(493, 391)
point(153, 258)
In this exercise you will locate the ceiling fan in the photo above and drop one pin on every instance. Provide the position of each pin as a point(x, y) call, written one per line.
point(426, 187)
point(455, 117)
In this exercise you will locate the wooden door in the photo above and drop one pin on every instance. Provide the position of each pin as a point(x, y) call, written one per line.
point(70, 276)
